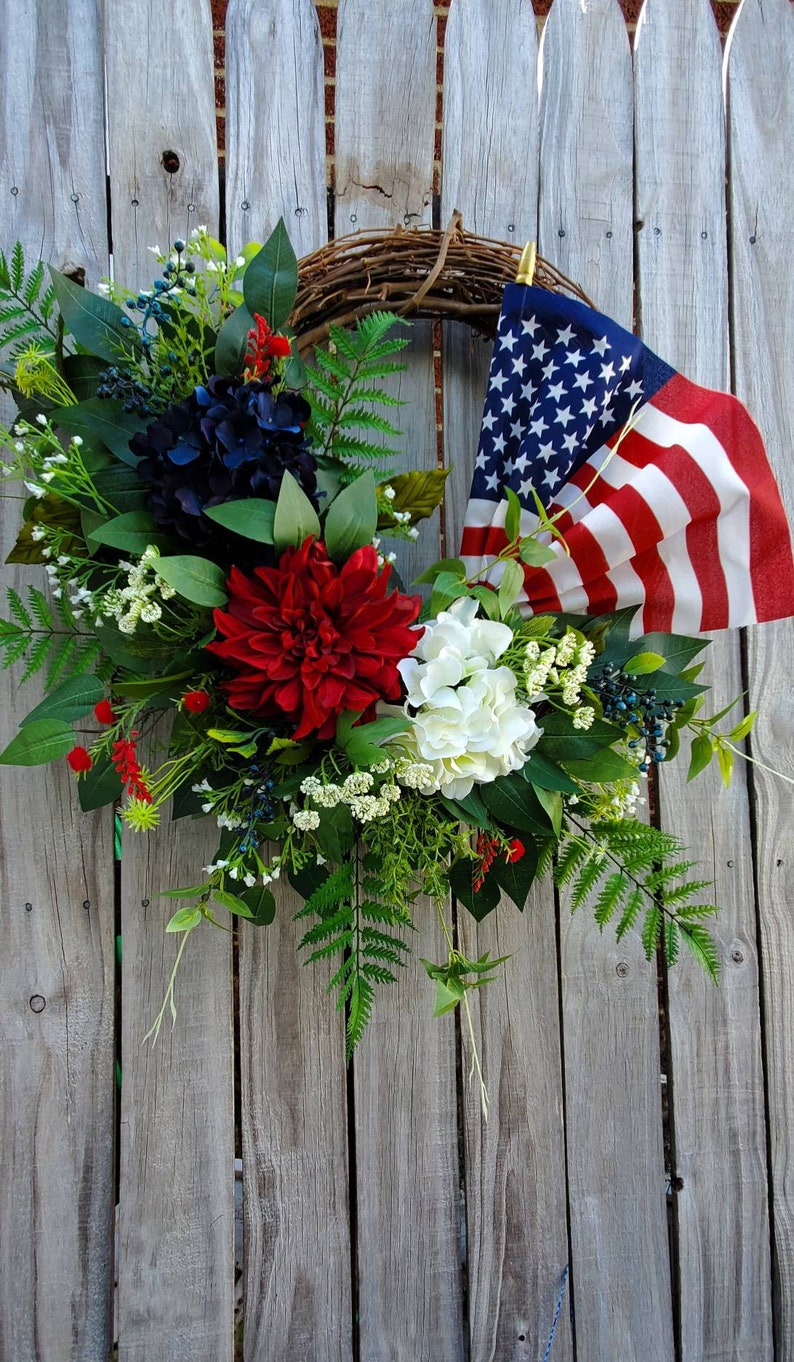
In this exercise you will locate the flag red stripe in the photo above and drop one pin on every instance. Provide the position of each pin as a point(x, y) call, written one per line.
point(771, 563)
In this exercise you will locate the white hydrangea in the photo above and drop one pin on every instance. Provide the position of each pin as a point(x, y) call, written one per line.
point(467, 724)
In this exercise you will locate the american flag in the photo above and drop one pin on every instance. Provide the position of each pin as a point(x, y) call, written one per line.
point(679, 515)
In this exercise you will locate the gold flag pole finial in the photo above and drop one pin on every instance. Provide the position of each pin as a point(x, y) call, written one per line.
point(526, 265)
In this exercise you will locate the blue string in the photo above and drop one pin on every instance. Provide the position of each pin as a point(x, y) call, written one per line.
point(556, 1319)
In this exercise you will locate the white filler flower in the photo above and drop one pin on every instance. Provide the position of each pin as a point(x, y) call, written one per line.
point(466, 722)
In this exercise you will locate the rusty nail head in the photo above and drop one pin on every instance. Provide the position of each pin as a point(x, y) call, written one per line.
point(737, 956)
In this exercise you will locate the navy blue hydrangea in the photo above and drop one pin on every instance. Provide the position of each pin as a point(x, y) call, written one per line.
point(225, 442)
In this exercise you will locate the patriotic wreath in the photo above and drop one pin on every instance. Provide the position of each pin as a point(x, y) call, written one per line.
point(214, 520)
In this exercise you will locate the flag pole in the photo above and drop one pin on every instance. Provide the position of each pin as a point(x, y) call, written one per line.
point(526, 265)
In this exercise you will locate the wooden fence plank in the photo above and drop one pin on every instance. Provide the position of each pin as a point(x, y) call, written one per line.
point(176, 1267)
point(515, 1162)
point(160, 99)
point(620, 1264)
point(715, 1072)
point(294, 1084)
point(405, 1109)
point(176, 1224)
point(275, 123)
point(294, 1121)
point(56, 880)
point(586, 149)
point(761, 209)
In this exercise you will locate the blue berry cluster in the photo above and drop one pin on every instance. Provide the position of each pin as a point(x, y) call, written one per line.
point(263, 807)
point(134, 395)
point(636, 711)
point(176, 275)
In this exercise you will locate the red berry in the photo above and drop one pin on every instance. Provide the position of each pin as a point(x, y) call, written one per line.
point(79, 759)
point(103, 712)
point(196, 701)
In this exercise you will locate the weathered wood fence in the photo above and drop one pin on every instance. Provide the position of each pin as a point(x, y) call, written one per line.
point(383, 1218)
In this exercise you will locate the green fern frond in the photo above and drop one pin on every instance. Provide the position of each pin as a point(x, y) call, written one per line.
point(586, 880)
point(41, 608)
point(345, 390)
point(672, 940)
point(17, 266)
point(702, 946)
point(17, 609)
point(651, 930)
point(642, 866)
point(33, 635)
point(570, 859)
point(37, 657)
point(35, 280)
point(610, 897)
point(361, 999)
point(631, 912)
point(347, 910)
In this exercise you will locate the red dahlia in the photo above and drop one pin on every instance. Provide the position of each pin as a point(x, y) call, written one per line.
point(311, 640)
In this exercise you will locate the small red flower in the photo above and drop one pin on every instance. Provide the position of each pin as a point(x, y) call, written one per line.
point(103, 712)
point(196, 701)
point(79, 759)
point(488, 849)
point(263, 346)
point(310, 639)
point(125, 759)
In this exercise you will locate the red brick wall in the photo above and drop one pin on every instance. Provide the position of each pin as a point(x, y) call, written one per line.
point(724, 11)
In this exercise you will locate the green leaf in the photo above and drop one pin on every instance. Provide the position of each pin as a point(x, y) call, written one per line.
point(535, 554)
point(446, 589)
point(511, 584)
point(184, 920)
point(725, 761)
point(352, 518)
point(121, 487)
point(700, 756)
point(515, 877)
point(104, 419)
point(231, 902)
point(515, 804)
point(512, 515)
point(453, 566)
point(551, 801)
point(643, 663)
point(132, 532)
point(601, 767)
point(480, 902)
point(295, 518)
point(743, 727)
point(70, 701)
point(232, 343)
point(253, 519)
point(547, 775)
point(38, 742)
point(271, 280)
point(488, 599)
point(418, 492)
point(99, 786)
point(94, 321)
point(261, 905)
point(448, 995)
point(82, 374)
point(195, 579)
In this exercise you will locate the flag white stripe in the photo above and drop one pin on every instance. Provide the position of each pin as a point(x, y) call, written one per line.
point(733, 523)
